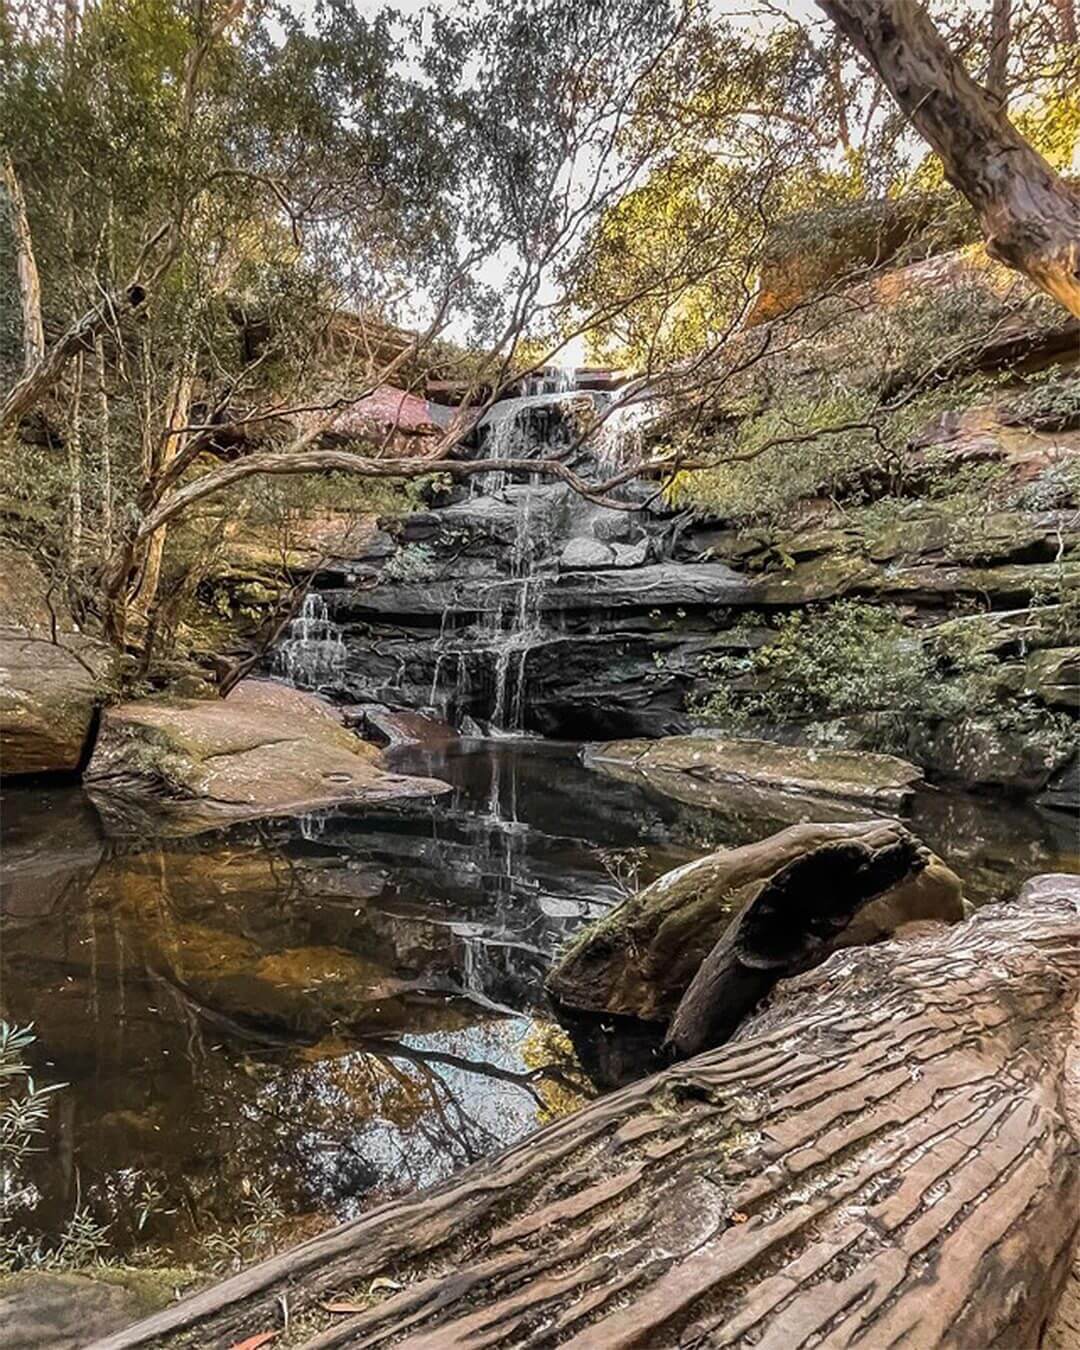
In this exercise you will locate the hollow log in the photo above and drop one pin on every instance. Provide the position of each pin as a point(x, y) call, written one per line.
point(798, 917)
point(884, 1156)
point(639, 959)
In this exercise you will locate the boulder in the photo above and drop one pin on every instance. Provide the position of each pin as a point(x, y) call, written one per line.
point(179, 766)
point(584, 554)
point(1054, 675)
point(1062, 793)
point(710, 771)
point(62, 1311)
point(978, 752)
point(52, 677)
point(640, 959)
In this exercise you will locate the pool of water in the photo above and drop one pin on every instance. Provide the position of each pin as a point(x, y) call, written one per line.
point(268, 1028)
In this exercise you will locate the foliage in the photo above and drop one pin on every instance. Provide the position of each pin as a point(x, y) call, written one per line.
point(412, 562)
point(24, 1109)
point(252, 1237)
point(767, 485)
point(851, 658)
point(847, 658)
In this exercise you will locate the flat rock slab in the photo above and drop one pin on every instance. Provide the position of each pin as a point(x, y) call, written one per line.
point(699, 765)
point(185, 765)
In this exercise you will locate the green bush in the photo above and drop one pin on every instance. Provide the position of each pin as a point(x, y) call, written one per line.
point(847, 658)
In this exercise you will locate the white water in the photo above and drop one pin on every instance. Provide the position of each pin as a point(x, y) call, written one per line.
point(313, 652)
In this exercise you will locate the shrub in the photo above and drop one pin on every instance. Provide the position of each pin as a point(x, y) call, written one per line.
point(849, 657)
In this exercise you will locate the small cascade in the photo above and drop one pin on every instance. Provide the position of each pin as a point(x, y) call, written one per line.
point(313, 652)
point(486, 637)
point(514, 625)
point(622, 436)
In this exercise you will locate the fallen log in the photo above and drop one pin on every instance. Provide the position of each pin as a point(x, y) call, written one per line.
point(640, 959)
point(798, 917)
point(885, 1155)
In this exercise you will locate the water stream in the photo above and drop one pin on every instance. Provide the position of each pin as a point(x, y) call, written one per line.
point(313, 650)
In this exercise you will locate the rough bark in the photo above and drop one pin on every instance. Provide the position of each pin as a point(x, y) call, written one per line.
point(104, 433)
point(998, 66)
point(883, 1157)
point(166, 450)
point(1030, 217)
point(33, 330)
point(75, 468)
point(1066, 12)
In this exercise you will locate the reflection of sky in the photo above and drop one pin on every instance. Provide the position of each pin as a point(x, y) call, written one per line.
point(375, 1125)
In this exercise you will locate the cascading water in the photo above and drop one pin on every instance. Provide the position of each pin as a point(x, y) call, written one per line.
point(313, 652)
point(497, 646)
point(513, 625)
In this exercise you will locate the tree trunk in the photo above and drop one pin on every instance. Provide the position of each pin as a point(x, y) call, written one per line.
point(1066, 12)
point(884, 1156)
point(1029, 215)
point(75, 469)
point(104, 432)
point(998, 66)
point(33, 330)
point(167, 448)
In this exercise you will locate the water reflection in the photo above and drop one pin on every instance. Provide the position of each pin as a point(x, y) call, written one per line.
point(313, 1014)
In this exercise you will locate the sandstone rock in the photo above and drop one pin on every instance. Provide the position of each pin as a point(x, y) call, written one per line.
point(705, 768)
point(52, 678)
point(185, 765)
point(632, 555)
point(585, 554)
point(1054, 675)
point(976, 752)
point(640, 959)
point(46, 1310)
point(659, 584)
point(1062, 792)
point(809, 249)
point(614, 527)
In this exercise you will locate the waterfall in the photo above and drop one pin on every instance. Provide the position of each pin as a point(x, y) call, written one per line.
point(513, 626)
point(313, 651)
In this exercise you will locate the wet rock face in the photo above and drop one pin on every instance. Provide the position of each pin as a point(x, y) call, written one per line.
point(640, 959)
point(185, 765)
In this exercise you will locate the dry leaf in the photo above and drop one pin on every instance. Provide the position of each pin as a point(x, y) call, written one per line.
point(253, 1342)
point(343, 1305)
point(739, 1217)
point(383, 1283)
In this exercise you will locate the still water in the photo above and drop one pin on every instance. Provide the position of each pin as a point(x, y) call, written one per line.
point(269, 1028)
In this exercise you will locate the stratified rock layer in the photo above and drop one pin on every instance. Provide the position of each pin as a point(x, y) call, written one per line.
point(184, 765)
